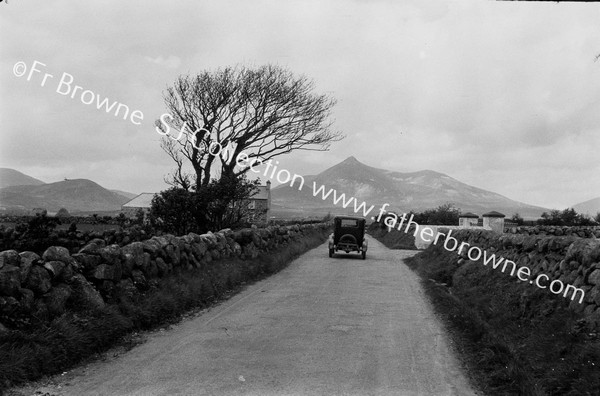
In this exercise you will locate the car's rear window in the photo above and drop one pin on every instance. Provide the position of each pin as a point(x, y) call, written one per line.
point(349, 223)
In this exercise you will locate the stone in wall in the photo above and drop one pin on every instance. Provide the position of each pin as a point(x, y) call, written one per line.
point(26, 261)
point(38, 280)
point(139, 280)
point(85, 294)
point(594, 278)
point(56, 299)
point(173, 254)
point(151, 246)
point(103, 272)
point(57, 253)
point(110, 254)
point(93, 247)
point(161, 267)
point(9, 257)
point(87, 261)
point(199, 250)
point(10, 280)
point(55, 268)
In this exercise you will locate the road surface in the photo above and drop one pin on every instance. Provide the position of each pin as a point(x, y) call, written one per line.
point(322, 326)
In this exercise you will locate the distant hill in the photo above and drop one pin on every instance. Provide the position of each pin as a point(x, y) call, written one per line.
point(11, 177)
point(77, 195)
point(125, 194)
point(417, 191)
point(590, 207)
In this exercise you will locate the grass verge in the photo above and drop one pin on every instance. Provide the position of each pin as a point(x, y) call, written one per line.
point(514, 339)
point(394, 239)
point(70, 338)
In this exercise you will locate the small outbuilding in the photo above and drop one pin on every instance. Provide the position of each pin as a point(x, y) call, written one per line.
point(494, 221)
point(468, 220)
point(259, 204)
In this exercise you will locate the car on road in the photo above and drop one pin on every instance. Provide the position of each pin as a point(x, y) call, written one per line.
point(348, 236)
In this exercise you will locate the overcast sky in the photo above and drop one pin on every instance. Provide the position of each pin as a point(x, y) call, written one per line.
point(504, 96)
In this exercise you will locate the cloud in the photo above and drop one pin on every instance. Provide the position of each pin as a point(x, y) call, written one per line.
point(172, 62)
point(499, 95)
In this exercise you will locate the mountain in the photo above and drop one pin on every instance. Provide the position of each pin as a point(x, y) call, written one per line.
point(590, 207)
point(125, 194)
point(417, 191)
point(11, 177)
point(77, 195)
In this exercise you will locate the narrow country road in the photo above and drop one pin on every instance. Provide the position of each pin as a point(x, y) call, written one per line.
point(322, 326)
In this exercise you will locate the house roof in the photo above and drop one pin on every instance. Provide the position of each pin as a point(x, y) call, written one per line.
point(262, 193)
point(469, 215)
point(144, 200)
point(493, 213)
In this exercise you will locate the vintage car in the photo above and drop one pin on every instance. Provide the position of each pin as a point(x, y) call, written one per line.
point(348, 236)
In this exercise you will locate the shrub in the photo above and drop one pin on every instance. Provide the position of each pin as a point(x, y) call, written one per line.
point(220, 204)
point(63, 213)
point(517, 219)
point(446, 214)
point(566, 217)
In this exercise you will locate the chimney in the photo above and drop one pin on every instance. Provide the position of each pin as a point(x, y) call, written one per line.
point(268, 214)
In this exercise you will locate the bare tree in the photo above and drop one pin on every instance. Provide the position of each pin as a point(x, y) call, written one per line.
point(179, 178)
point(263, 112)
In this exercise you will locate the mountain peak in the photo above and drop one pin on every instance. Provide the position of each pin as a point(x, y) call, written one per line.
point(351, 160)
point(420, 190)
point(76, 195)
point(11, 177)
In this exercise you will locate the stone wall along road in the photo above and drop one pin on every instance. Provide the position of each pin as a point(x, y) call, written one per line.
point(322, 326)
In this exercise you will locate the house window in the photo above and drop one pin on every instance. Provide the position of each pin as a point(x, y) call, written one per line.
point(252, 205)
point(349, 223)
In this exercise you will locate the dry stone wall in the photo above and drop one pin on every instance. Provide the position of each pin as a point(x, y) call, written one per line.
point(42, 286)
point(15, 238)
point(571, 259)
point(580, 231)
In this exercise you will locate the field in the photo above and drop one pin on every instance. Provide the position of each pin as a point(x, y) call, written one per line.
point(80, 226)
